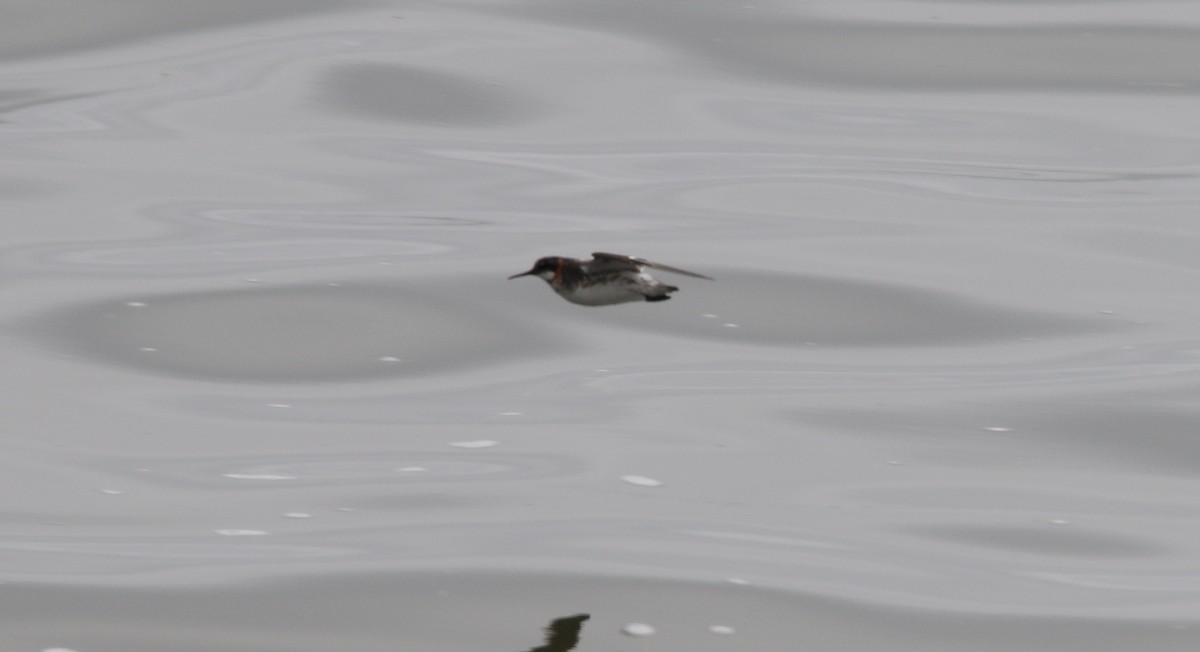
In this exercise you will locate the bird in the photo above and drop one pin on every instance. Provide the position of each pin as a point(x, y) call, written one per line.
point(562, 635)
point(605, 279)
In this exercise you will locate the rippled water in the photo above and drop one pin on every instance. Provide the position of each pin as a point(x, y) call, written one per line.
point(267, 387)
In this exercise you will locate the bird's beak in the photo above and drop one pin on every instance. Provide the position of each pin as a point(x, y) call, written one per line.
point(529, 273)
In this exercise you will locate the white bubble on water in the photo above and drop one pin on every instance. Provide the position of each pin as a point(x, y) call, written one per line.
point(722, 629)
point(641, 481)
point(478, 443)
point(297, 515)
point(638, 629)
point(240, 533)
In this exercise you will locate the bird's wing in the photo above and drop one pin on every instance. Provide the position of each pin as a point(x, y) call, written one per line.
point(603, 261)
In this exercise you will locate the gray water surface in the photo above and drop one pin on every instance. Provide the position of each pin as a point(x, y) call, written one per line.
point(267, 386)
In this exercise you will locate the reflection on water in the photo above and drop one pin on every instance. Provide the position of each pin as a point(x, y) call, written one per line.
point(562, 634)
point(268, 388)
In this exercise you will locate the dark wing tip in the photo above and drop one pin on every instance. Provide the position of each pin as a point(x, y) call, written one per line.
point(642, 262)
point(676, 270)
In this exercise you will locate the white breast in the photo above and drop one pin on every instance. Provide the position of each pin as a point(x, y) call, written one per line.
point(604, 294)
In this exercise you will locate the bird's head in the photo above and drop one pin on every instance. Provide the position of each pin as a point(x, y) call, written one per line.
point(545, 268)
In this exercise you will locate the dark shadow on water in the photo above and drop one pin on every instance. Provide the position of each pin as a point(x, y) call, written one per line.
point(296, 333)
point(562, 634)
point(421, 96)
point(333, 332)
point(805, 310)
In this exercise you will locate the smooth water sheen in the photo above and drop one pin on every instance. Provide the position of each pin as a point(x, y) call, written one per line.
point(267, 387)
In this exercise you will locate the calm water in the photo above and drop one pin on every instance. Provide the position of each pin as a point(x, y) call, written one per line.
point(267, 388)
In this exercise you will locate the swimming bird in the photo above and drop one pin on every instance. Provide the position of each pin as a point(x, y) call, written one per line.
point(604, 279)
